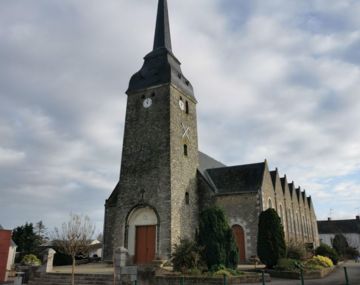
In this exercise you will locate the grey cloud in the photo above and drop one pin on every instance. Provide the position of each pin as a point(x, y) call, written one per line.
point(266, 89)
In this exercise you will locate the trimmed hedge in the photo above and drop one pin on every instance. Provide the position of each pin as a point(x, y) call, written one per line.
point(216, 237)
point(271, 241)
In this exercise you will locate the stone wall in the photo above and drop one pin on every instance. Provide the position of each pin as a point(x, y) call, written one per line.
point(145, 167)
point(280, 205)
point(268, 193)
point(155, 172)
point(290, 215)
point(184, 195)
point(243, 209)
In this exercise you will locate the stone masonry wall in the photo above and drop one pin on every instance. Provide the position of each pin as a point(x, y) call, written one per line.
point(154, 170)
point(279, 197)
point(290, 215)
point(267, 188)
point(184, 195)
point(145, 167)
point(243, 209)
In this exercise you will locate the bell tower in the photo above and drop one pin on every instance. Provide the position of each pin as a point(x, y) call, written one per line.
point(155, 202)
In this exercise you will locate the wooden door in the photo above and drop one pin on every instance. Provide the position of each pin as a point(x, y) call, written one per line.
point(240, 241)
point(145, 241)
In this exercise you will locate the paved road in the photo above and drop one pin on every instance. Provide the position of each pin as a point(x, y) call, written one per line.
point(335, 278)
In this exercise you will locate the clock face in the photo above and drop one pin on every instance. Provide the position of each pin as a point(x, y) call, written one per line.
point(181, 105)
point(147, 102)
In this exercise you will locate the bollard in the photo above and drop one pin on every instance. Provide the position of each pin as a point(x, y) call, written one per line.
point(302, 277)
point(182, 280)
point(225, 280)
point(263, 277)
point(346, 276)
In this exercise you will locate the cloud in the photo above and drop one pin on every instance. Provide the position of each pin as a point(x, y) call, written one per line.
point(10, 156)
point(275, 80)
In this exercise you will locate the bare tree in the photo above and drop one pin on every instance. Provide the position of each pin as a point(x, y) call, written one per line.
point(74, 238)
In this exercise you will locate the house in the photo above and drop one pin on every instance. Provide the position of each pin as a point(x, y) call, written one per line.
point(350, 229)
point(7, 253)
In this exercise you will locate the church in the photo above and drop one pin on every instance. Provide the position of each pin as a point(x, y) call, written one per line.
point(165, 181)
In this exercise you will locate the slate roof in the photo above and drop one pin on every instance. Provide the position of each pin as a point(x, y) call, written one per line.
point(207, 162)
point(303, 196)
point(160, 65)
point(283, 183)
point(291, 188)
point(309, 200)
point(162, 37)
point(339, 226)
point(298, 193)
point(235, 179)
point(273, 177)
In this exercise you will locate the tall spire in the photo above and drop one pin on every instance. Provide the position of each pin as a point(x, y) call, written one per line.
point(160, 65)
point(162, 32)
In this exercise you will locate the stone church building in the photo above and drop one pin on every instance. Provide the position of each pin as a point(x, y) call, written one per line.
point(165, 181)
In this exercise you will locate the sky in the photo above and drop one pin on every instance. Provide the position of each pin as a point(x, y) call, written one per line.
point(276, 80)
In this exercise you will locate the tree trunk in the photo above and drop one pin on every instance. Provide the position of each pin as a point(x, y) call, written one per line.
point(73, 271)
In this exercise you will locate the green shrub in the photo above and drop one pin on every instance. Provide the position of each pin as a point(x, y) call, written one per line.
point(327, 251)
point(222, 272)
point(318, 262)
point(187, 256)
point(323, 260)
point(194, 272)
point(295, 250)
point(340, 244)
point(288, 264)
point(228, 272)
point(352, 252)
point(31, 260)
point(312, 265)
point(216, 237)
point(271, 242)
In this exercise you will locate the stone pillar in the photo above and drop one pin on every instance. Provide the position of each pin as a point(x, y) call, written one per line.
point(120, 260)
point(48, 261)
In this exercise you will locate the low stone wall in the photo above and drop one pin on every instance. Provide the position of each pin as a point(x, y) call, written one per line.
point(318, 274)
point(203, 280)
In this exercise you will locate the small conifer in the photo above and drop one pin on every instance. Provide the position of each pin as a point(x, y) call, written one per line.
point(271, 242)
point(216, 237)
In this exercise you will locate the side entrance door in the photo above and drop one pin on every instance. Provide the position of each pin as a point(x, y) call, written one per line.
point(240, 241)
point(145, 240)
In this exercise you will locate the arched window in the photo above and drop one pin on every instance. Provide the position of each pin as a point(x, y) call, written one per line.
point(185, 149)
point(270, 203)
point(187, 107)
point(187, 198)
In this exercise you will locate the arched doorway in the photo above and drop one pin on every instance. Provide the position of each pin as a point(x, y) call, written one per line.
point(239, 235)
point(142, 234)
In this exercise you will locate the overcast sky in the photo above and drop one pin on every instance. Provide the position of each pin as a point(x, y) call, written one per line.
point(275, 79)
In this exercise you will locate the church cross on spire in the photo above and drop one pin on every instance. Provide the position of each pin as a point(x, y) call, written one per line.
point(162, 32)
